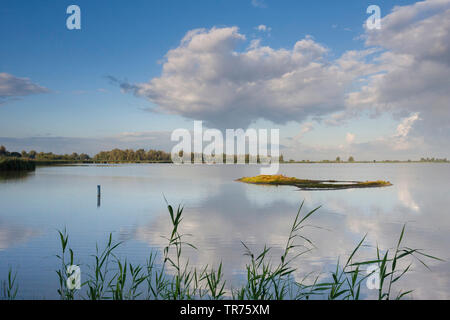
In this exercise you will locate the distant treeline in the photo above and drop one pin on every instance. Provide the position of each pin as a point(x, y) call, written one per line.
point(433, 160)
point(115, 155)
point(133, 156)
point(247, 158)
point(140, 155)
point(42, 156)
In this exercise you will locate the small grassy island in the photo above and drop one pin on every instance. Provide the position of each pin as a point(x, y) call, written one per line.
point(280, 180)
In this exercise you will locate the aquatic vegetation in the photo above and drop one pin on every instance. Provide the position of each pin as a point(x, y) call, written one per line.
point(112, 278)
point(280, 180)
point(64, 291)
point(10, 287)
point(16, 164)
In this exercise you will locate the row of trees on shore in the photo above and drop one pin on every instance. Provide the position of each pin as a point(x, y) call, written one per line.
point(44, 156)
point(115, 155)
point(433, 160)
point(129, 155)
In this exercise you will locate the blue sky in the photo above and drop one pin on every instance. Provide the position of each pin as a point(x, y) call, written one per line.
point(130, 40)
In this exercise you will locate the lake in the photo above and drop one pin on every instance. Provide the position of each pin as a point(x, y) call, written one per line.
point(220, 213)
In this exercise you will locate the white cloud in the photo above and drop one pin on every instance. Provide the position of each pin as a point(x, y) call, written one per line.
point(404, 71)
point(401, 140)
point(398, 145)
point(12, 87)
point(206, 78)
point(415, 68)
point(263, 28)
point(350, 138)
point(307, 127)
point(405, 126)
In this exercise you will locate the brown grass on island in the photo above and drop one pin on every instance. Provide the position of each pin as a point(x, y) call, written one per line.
point(280, 180)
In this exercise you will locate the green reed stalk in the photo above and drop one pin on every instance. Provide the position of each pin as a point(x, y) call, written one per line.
point(265, 280)
point(10, 286)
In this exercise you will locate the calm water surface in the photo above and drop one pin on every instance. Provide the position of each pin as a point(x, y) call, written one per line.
point(220, 213)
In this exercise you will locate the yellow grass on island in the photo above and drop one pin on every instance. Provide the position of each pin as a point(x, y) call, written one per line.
point(280, 180)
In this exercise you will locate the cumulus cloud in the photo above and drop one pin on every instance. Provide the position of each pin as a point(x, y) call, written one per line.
point(207, 78)
point(398, 145)
point(401, 140)
point(407, 67)
point(263, 28)
point(405, 126)
point(12, 87)
point(414, 68)
point(307, 127)
point(403, 70)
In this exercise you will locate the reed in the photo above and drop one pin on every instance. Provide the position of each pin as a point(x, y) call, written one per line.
point(66, 259)
point(111, 278)
point(10, 286)
point(15, 164)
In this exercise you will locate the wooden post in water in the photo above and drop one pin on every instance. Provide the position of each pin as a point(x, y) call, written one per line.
point(98, 196)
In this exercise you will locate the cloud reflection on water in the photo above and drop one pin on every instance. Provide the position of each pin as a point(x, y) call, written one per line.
point(12, 235)
point(263, 215)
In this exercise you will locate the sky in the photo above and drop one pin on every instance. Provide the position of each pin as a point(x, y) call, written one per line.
point(138, 70)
